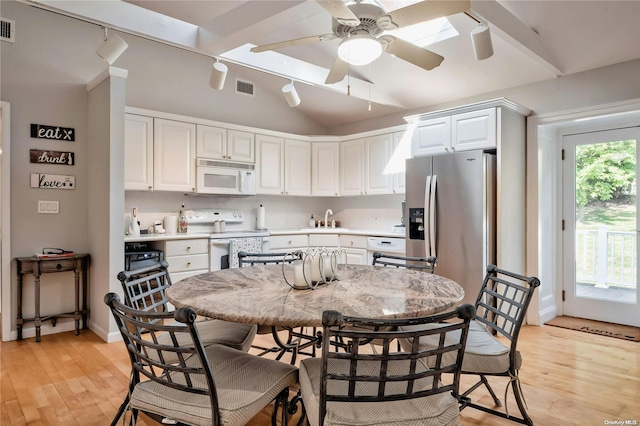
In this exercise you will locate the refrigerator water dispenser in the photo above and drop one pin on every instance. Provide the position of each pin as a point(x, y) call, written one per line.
point(416, 223)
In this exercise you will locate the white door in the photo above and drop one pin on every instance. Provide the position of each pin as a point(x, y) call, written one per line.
point(600, 238)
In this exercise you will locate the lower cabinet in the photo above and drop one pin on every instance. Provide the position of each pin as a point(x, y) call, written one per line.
point(355, 249)
point(288, 243)
point(187, 257)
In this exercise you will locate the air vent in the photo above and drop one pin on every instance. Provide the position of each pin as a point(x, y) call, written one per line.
point(7, 30)
point(244, 87)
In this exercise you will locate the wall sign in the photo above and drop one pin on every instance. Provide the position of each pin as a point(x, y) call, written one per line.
point(51, 157)
point(47, 181)
point(41, 131)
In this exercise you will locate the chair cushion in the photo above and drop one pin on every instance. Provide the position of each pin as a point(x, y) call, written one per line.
point(437, 410)
point(245, 385)
point(483, 353)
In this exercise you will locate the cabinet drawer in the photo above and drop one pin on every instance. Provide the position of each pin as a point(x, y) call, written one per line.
point(330, 240)
point(180, 247)
point(288, 241)
point(188, 263)
point(353, 241)
point(58, 265)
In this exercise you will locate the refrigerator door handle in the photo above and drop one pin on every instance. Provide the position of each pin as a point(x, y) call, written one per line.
point(432, 216)
point(425, 218)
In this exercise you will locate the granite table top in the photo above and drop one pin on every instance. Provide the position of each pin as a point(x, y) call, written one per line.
point(260, 295)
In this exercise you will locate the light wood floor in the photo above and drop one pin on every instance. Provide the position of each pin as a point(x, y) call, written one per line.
point(569, 378)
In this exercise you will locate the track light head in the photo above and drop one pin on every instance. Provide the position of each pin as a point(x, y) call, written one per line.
point(291, 95)
point(218, 75)
point(112, 48)
point(481, 40)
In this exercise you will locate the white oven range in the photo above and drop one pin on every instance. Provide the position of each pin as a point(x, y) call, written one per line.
point(222, 226)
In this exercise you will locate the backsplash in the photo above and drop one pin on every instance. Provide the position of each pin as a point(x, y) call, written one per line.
point(378, 212)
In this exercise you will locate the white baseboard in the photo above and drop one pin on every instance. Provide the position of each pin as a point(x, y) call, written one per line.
point(548, 314)
point(45, 329)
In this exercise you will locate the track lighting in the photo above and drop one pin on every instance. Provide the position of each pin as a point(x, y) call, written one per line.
point(291, 95)
point(481, 40)
point(112, 48)
point(218, 75)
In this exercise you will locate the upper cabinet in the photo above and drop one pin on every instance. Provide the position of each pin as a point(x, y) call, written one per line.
point(283, 166)
point(352, 168)
point(174, 145)
point(378, 151)
point(138, 152)
point(455, 132)
point(216, 143)
point(399, 184)
point(325, 169)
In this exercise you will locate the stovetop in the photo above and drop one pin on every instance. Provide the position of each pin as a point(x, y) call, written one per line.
point(204, 222)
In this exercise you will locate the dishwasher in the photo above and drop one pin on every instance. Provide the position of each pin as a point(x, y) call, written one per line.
point(390, 245)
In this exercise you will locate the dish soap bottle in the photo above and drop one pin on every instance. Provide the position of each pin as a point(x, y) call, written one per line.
point(312, 222)
point(182, 221)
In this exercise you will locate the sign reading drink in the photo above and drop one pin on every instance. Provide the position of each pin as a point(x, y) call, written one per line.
point(41, 131)
point(47, 181)
point(51, 157)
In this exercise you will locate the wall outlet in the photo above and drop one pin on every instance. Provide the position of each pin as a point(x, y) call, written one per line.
point(50, 207)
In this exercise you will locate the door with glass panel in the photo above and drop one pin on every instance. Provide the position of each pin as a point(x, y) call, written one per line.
point(600, 215)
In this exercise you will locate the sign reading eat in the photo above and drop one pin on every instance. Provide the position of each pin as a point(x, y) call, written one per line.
point(41, 131)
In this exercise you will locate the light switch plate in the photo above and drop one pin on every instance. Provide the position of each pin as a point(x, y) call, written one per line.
point(49, 207)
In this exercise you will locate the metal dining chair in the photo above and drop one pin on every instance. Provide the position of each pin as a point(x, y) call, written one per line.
point(491, 349)
point(354, 387)
point(427, 264)
point(201, 385)
point(297, 339)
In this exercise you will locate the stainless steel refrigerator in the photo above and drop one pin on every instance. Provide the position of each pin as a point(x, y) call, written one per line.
point(451, 211)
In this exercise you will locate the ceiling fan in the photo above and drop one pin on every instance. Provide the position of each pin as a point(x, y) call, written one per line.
point(362, 26)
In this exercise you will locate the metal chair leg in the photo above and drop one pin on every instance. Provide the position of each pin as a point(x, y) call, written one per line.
point(496, 400)
point(517, 392)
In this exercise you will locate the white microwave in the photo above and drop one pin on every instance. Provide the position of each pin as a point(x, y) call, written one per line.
point(219, 177)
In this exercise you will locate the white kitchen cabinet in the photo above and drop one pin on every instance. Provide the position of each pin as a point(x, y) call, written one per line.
point(329, 241)
point(297, 167)
point(174, 144)
point(456, 132)
point(216, 143)
point(283, 166)
point(473, 130)
point(399, 179)
point(288, 243)
point(355, 249)
point(352, 167)
point(378, 153)
point(138, 152)
point(325, 169)
point(240, 146)
point(187, 258)
point(269, 164)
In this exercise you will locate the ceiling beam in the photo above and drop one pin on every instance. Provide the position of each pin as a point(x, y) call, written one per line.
point(509, 28)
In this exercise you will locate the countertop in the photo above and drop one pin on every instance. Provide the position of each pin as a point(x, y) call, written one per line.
point(297, 231)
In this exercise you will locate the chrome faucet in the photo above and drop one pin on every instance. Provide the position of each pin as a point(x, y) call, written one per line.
point(326, 216)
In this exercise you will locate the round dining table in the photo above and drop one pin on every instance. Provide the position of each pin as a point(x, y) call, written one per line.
point(260, 295)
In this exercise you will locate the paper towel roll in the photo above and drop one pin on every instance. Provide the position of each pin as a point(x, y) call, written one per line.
point(260, 218)
point(171, 224)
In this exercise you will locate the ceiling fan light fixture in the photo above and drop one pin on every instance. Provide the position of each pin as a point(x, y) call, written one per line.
point(360, 49)
point(481, 40)
point(218, 75)
point(291, 95)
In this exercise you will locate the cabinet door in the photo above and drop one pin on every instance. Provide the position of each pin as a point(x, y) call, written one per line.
point(474, 130)
point(138, 152)
point(378, 151)
point(399, 179)
point(432, 137)
point(297, 167)
point(352, 167)
point(325, 168)
point(269, 165)
point(174, 144)
point(240, 146)
point(211, 142)
point(354, 256)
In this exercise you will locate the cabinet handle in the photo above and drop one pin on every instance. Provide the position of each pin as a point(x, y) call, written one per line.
point(289, 242)
point(188, 264)
point(229, 157)
point(286, 192)
point(150, 187)
point(188, 248)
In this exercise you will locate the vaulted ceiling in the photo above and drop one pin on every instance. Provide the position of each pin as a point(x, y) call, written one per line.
point(532, 41)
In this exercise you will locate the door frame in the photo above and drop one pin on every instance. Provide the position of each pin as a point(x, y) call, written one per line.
point(604, 310)
point(543, 221)
point(5, 213)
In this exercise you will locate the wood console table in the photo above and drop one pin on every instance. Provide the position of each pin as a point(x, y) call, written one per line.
point(78, 263)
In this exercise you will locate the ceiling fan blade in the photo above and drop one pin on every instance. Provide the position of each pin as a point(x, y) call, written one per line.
point(340, 12)
point(425, 10)
point(294, 42)
point(338, 71)
point(411, 53)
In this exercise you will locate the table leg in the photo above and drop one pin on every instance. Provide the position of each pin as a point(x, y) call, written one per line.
point(19, 320)
point(76, 313)
point(36, 319)
point(85, 266)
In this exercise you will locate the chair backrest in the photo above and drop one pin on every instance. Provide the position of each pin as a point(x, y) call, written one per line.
point(249, 259)
point(356, 375)
point(503, 301)
point(421, 263)
point(144, 288)
point(179, 362)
